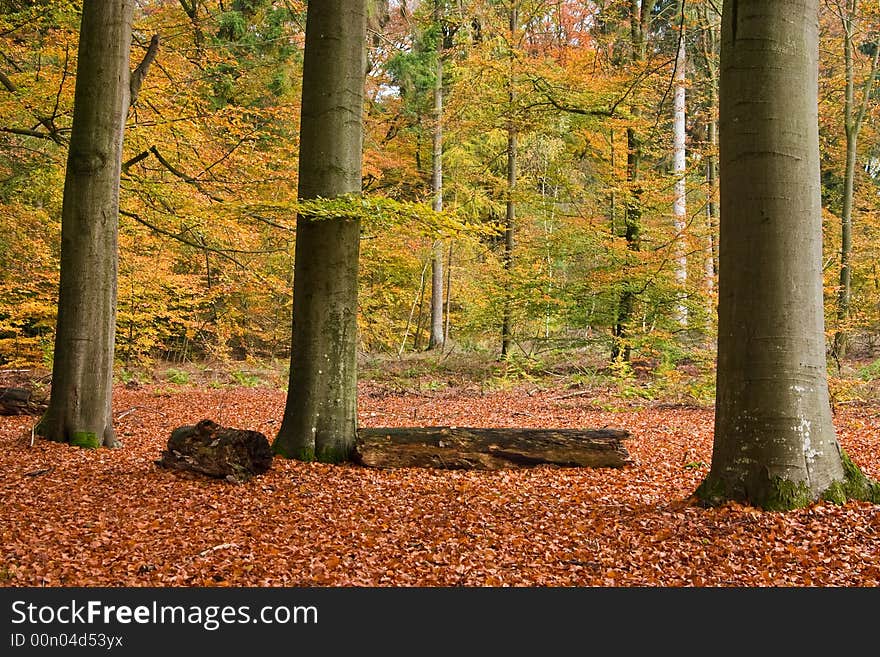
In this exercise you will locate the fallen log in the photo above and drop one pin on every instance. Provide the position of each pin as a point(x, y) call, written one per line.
point(467, 448)
point(20, 401)
point(209, 449)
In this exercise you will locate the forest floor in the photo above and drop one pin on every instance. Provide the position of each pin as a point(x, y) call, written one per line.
point(74, 517)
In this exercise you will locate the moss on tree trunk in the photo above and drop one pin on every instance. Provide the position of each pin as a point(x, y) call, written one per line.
point(320, 416)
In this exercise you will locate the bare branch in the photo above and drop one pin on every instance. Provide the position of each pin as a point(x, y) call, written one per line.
point(139, 73)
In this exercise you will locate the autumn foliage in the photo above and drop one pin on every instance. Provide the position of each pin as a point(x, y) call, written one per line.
point(114, 518)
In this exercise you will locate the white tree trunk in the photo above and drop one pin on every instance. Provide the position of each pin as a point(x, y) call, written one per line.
point(679, 165)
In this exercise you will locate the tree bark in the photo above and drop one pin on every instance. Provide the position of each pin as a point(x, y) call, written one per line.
point(775, 445)
point(464, 448)
point(437, 336)
point(320, 415)
point(223, 452)
point(639, 22)
point(679, 166)
point(853, 118)
point(79, 410)
point(510, 217)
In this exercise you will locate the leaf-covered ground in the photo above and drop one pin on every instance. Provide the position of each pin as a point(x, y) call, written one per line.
point(111, 517)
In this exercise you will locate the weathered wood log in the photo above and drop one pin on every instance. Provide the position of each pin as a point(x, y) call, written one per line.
point(466, 448)
point(209, 449)
point(20, 401)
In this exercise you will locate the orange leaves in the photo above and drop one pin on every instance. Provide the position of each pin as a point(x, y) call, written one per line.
point(112, 518)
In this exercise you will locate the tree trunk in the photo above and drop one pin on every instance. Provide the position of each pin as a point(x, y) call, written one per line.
point(464, 448)
point(320, 416)
point(775, 445)
point(853, 118)
point(639, 21)
point(709, 47)
point(79, 410)
point(510, 218)
point(679, 204)
point(437, 335)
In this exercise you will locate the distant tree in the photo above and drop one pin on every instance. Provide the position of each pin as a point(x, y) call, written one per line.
point(775, 445)
point(320, 417)
point(79, 410)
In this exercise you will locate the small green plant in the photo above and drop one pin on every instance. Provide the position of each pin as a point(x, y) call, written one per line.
point(176, 376)
point(245, 378)
point(870, 372)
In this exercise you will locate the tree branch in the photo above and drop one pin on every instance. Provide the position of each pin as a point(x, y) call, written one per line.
point(139, 73)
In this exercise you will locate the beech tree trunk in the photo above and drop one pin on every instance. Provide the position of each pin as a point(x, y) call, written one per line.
point(82, 374)
point(775, 445)
point(320, 416)
point(510, 217)
point(465, 448)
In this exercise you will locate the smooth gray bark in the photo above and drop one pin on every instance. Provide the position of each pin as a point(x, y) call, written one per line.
point(775, 445)
point(510, 216)
point(82, 374)
point(320, 416)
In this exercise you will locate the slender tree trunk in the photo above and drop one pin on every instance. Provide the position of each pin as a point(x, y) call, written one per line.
point(82, 374)
point(679, 205)
point(709, 47)
point(853, 117)
point(775, 445)
point(711, 266)
point(510, 218)
point(437, 336)
point(640, 18)
point(320, 417)
point(448, 292)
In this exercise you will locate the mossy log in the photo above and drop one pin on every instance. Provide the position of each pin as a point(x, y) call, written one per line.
point(466, 448)
point(20, 401)
point(222, 452)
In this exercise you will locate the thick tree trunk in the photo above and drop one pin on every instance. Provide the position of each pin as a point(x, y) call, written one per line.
point(775, 445)
point(320, 416)
point(82, 375)
point(463, 448)
point(679, 165)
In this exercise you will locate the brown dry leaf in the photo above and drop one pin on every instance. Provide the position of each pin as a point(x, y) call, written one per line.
point(112, 518)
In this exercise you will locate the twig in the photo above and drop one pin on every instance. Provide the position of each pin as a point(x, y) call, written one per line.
point(139, 408)
point(222, 546)
point(579, 393)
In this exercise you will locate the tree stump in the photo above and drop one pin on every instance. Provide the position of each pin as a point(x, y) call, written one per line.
point(464, 448)
point(209, 449)
point(20, 401)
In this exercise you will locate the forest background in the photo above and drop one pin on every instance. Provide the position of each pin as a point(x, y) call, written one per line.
point(592, 255)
